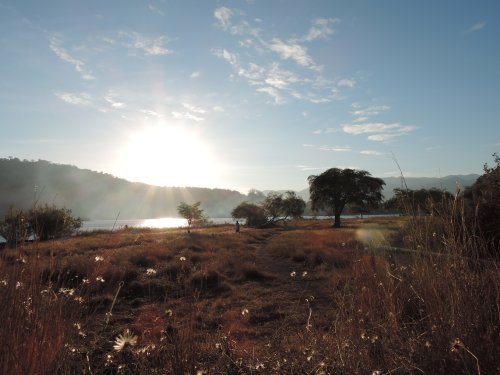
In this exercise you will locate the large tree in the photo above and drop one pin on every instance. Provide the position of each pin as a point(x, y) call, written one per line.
point(337, 187)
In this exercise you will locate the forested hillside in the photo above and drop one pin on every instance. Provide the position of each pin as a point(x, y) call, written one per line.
point(100, 196)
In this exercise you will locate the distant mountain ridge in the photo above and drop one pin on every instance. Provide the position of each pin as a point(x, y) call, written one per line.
point(96, 195)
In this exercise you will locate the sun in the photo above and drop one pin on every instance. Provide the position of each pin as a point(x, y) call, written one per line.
point(168, 155)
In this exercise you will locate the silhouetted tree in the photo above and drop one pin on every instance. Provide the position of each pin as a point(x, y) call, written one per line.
point(273, 206)
point(421, 201)
point(483, 199)
point(46, 222)
point(190, 212)
point(254, 215)
point(337, 187)
point(292, 205)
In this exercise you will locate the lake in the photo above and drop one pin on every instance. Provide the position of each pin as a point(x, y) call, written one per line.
point(175, 222)
point(162, 222)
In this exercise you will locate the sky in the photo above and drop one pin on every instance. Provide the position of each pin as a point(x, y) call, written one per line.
point(251, 94)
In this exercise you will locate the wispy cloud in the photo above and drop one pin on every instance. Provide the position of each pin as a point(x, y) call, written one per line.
point(187, 115)
point(110, 98)
point(351, 83)
point(293, 51)
point(371, 152)
point(156, 10)
point(193, 108)
point(226, 55)
point(321, 29)
point(303, 83)
point(190, 112)
point(272, 92)
point(81, 99)
point(476, 27)
point(150, 46)
point(329, 148)
point(195, 75)
point(63, 54)
point(310, 168)
point(370, 111)
point(223, 16)
point(335, 148)
point(379, 132)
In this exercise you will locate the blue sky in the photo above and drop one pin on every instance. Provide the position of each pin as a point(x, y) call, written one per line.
point(251, 94)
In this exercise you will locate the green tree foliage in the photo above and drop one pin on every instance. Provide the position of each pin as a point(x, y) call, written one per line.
point(275, 207)
point(52, 222)
point(254, 214)
point(191, 212)
point(337, 187)
point(46, 222)
point(293, 205)
point(418, 202)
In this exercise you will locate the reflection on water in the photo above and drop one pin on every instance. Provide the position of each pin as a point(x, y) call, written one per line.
point(163, 222)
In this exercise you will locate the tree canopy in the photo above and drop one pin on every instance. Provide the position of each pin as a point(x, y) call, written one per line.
point(483, 199)
point(44, 222)
point(275, 207)
point(191, 212)
point(421, 201)
point(337, 187)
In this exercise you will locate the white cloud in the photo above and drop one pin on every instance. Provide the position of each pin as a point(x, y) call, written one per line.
point(226, 55)
point(370, 111)
point(274, 93)
point(322, 28)
point(82, 98)
point(115, 104)
point(310, 168)
point(351, 83)
point(378, 127)
point(293, 51)
point(79, 65)
point(335, 148)
point(150, 46)
point(371, 152)
point(360, 119)
point(223, 16)
point(193, 109)
point(149, 112)
point(195, 74)
point(255, 73)
point(156, 10)
point(318, 131)
point(476, 27)
point(379, 132)
point(218, 109)
point(188, 116)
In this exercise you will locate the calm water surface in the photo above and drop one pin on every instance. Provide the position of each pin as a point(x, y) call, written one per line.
point(163, 222)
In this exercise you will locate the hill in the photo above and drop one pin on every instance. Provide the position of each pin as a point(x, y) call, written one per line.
point(98, 195)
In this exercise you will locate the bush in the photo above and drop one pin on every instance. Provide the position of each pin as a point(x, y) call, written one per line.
point(46, 222)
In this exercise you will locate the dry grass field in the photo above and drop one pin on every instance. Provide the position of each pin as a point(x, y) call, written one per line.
point(297, 299)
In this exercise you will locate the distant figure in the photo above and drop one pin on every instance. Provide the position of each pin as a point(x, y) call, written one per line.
point(237, 227)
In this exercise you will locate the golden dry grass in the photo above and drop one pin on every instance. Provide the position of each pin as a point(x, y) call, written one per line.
point(304, 298)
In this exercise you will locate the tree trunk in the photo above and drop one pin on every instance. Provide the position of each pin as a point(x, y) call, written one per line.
point(336, 223)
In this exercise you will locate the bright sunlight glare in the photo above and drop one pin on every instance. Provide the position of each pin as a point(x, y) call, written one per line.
point(167, 155)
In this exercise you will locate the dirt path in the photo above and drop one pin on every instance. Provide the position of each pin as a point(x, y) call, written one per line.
point(294, 286)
